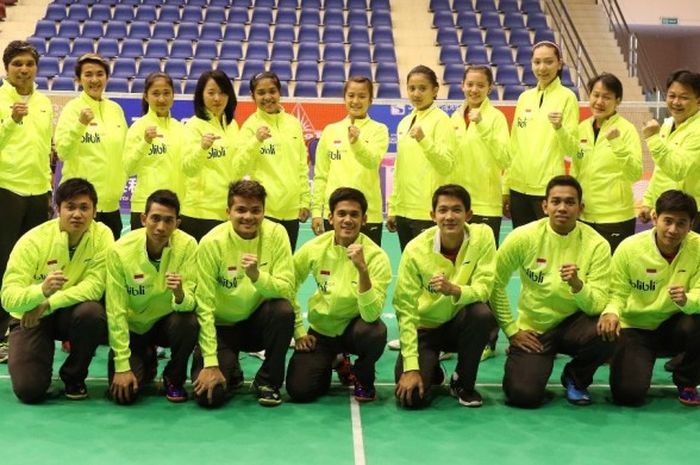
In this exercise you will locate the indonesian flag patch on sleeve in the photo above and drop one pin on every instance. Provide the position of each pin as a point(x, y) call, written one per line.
point(541, 262)
point(139, 277)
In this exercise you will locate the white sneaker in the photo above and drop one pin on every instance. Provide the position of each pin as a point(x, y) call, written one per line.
point(260, 355)
point(394, 344)
point(445, 356)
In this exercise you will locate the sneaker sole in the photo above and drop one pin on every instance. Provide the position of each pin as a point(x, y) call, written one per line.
point(364, 399)
point(269, 403)
point(76, 396)
point(176, 400)
point(471, 404)
point(689, 403)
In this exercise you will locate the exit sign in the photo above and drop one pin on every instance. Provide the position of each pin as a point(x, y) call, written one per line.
point(668, 20)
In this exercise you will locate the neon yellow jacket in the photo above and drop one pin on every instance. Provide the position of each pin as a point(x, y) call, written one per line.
point(337, 301)
point(209, 172)
point(225, 294)
point(417, 305)
point(136, 294)
point(678, 154)
point(342, 164)
point(537, 253)
point(641, 277)
point(537, 150)
point(44, 249)
point(481, 156)
point(25, 147)
point(421, 167)
point(279, 163)
point(156, 165)
point(607, 169)
point(94, 152)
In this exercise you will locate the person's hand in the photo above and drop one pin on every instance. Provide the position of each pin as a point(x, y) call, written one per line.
point(304, 214)
point(644, 214)
point(650, 128)
point(475, 115)
point(263, 133)
point(124, 386)
point(608, 326)
point(317, 225)
point(150, 134)
point(417, 133)
point(568, 273)
point(356, 255)
point(391, 224)
point(555, 117)
point(31, 318)
point(207, 380)
point(677, 294)
point(249, 262)
point(506, 206)
point(19, 111)
point(173, 281)
point(409, 382)
point(613, 133)
point(305, 343)
point(527, 341)
point(53, 282)
point(441, 284)
point(353, 133)
point(86, 115)
point(208, 140)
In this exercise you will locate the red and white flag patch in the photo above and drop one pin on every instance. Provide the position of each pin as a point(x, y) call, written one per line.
point(541, 262)
point(139, 277)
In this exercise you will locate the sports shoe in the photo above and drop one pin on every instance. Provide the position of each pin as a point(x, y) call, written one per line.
point(468, 398)
point(574, 394)
point(259, 354)
point(689, 396)
point(4, 351)
point(394, 344)
point(364, 393)
point(344, 369)
point(77, 391)
point(173, 392)
point(488, 353)
point(268, 396)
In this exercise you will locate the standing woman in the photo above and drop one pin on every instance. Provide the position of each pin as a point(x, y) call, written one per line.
point(26, 117)
point(348, 155)
point(90, 139)
point(154, 145)
point(482, 148)
point(543, 133)
point(425, 156)
point(209, 159)
point(608, 162)
point(273, 152)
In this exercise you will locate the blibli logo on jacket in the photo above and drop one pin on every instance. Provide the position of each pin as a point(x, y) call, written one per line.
point(158, 149)
point(535, 277)
point(334, 155)
point(267, 149)
point(227, 283)
point(90, 138)
point(136, 290)
point(215, 152)
point(643, 286)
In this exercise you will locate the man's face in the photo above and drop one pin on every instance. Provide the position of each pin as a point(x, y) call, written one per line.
point(671, 228)
point(246, 215)
point(160, 222)
point(563, 207)
point(347, 219)
point(450, 215)
point(76, 214)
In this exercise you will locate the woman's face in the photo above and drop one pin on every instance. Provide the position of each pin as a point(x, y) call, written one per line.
point(545, 65)
point(603, 101)
point(215, 100)
point(476, 88)
point(93, 79)
point(267, 96)
point(421, 91)
point(160, 97)
point(357, 99)
point(681, 101)
point(21, 71)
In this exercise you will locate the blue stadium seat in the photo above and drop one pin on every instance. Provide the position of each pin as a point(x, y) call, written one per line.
point(45, 29)
point(69, 29)
point(439, 5)
point(63, 83)
point(48, 67)
point(490, 19)
point(231, 51)
point(566, 77)
point(148, 66)
point(157, 48)
point(92, 29)
point(537, 21)
point(286, 4)
point(137, 86)
point(455, 92)
point(508, 6)
point(495, 37)
point(358, 68)
point(306, 71)
point(359, 52)
point(453, 73)
point(450, 54)
point(199, 3)
point(176, 68)
point(309, 17)
point(308, 52)
point(356, 5)
point(471, 36)
point(507, 75)
point(447, 36)
point(357, 18)
point(42, 82)
point(334, 5)
point(256, 51)
point(386, 72)
point(139, 31)
point(286, 16)
point(169, 13)
point(146, 14)
point(68, 66)
point(58, 47)
point(381, 18)
point(233, 33)
point(238, 16)
point(259, 33)
point(305, 89)
point(55, 12)
point(531, 6)
point(308, 34)
point(519, 37)
point(544, 34)
point(165, 31)
point(131, 2)
point(485, 5)
point(389, 91)
point(513, 19)
point(132, 48)
point(82, 45)
point(282, 51)
point(493, 95)
point(283, 69)
point(265, 3)
point(529, 78)
point(39, 43)
point(215, 14)
point(187, 31)
point(333, 71)
point(462, 5)
point(384, 53)
point(230, 67)
point(117, 85)
point(78, 12)
point(333, 34)
point(358, 35)
point(206, 50)
point(512, 92)
point(476, 54)
point(332, 90)
point(198, 66)
point(334, 52)
point(123, 13)
point(382, 35)
point(379, 5)
point(181, 49)
point(115, 30)
point(466, 19)
point(261, 16)
point(443, 18)
point(251, 68)
point(108, 48)
point(283, 33)
point(191, 14)
point(524, 55)
point(502, 55)
point(123, 68)
point(210, 32)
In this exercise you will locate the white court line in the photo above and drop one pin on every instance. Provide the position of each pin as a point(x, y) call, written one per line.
point(358, 444)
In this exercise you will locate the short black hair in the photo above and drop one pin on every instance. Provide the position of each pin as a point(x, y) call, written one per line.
point(94, 58)
point(427, 72)
point(676, 201)
point(453, 190)
point(248, 189)
point(350, 194)
point(224, 82)
point(18, 47)
point(264, 75)
point(609, 81)
point(74, 187)
point(164, 197)
point(564, 180)
point(150, 80)
point(686, 78)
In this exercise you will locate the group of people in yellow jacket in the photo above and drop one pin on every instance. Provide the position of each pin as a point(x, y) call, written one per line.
point(243, 266)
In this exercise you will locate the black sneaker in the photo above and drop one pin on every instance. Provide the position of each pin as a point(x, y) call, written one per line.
point(468, 398)
point(77, 391)
point(268, 396)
